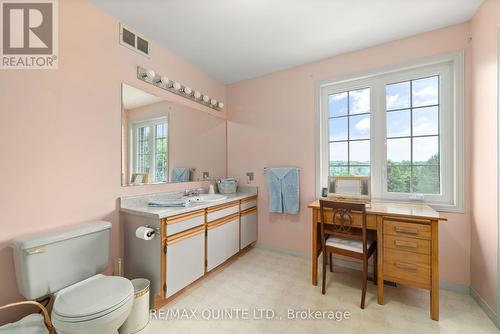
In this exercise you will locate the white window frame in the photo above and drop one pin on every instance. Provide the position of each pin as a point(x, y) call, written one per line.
point(151, 123)
point(450, 68)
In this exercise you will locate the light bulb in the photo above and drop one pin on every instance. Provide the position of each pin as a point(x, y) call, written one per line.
point(188, 91)
point(149, 74)
point(213, 102)
point(197, 95)
point(221, 105)
point(177, 86)
point(206, 98)
point(163, 80)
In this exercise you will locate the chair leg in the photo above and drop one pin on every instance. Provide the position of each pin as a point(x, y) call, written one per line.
point(331, 263)
point(375, 267)
point(323, 284)
point(365, 280)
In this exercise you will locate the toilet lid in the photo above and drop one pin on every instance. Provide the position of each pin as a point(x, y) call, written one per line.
point(95, 295)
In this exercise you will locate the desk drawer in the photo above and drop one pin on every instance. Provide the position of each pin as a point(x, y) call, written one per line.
point(407, 229)
point(371, 220)
point(421, 246)
point(407, 268)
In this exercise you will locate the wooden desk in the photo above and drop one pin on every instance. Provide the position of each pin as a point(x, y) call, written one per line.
point(407, 246)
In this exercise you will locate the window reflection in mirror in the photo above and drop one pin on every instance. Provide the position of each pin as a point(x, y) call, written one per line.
point(167, 142)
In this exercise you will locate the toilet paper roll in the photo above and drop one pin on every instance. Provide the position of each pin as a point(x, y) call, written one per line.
point(145, 233)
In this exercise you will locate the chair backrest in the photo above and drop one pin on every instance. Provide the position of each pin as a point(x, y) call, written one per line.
point(343, 219)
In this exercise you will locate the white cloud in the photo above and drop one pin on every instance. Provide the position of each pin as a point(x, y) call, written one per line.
point(363, 124)
point(361, 99)
point(426, 95)
point(338, 97)
point(391, 101)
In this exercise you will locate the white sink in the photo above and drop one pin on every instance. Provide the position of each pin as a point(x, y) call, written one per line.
point(208, 198)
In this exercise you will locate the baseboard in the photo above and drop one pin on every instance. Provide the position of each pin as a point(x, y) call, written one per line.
point(455, 287)
point(486, 308)
point(277, 249)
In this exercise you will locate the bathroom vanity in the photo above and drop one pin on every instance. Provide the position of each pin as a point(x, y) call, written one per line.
point(190, 242)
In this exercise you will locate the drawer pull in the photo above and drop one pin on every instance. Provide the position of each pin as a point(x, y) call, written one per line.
point(405, 265)
point(405, 244)
point(406, 230)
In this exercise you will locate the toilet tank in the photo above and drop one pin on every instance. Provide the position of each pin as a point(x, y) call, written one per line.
point(50, 261)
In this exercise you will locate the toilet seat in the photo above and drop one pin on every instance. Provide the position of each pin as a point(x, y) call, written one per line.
point(92, 298)
point(105, 324)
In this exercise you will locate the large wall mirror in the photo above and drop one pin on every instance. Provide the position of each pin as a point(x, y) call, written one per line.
point(165, 142)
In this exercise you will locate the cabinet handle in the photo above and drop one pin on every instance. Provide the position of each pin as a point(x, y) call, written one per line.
point(406, 230)
point(405, 244)
point(405, 265)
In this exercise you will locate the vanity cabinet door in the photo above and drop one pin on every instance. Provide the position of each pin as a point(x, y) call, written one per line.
point(185, 259)
point(248, 227)
point(222, 240)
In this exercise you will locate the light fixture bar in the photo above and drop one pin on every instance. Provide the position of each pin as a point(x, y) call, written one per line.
point(175, 87)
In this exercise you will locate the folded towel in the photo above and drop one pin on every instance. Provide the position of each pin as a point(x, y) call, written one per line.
point(229, 180)
point(181, 202)
point(283, 188)
point(181, 174)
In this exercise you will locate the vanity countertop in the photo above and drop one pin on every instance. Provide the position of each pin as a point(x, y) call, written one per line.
point(139, 205)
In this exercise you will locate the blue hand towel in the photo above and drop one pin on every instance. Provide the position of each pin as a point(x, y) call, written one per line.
point(283, 188)
point(180, 174)
point(180, 202)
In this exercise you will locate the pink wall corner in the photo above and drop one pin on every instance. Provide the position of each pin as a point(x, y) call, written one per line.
point(271, 122)
point(484, 234)
point(61, 132)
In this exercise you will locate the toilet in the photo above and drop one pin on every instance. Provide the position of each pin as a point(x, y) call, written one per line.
point(68, 264)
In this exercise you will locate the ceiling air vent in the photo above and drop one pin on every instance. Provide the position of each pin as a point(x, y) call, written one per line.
point(134, 41)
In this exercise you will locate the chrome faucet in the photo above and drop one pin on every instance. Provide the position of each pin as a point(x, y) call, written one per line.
point(192, 192)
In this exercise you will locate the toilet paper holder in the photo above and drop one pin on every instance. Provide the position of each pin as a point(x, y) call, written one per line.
point(147, 232)
point(156, 230)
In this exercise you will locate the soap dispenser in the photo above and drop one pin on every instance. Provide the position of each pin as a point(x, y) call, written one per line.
point(211, 189)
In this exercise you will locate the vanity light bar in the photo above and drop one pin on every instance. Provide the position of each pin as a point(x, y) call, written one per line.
point(175, 87)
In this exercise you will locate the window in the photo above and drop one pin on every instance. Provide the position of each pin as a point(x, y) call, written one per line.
point(149, 148)
point(349, 133)
point(412, 136)
point(403, 127)
point(161, 152)
point(143, 153)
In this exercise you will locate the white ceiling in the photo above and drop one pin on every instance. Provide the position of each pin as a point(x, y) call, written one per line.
point(235, 40)
point(134, 98)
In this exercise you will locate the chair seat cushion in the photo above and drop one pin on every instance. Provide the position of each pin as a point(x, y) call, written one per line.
point(348, 244)
point(31, 324)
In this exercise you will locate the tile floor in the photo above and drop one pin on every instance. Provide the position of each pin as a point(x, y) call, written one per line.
point(276, 282)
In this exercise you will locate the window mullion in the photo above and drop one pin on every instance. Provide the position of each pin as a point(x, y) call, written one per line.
point(377, 138)
point(152, 152)
point(411, 136)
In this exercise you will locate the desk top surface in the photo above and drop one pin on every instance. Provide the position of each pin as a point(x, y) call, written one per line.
point(396, 209)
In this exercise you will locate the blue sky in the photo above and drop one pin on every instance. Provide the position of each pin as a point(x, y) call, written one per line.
point(424, 92)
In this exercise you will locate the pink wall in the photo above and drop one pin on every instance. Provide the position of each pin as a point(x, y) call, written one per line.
point(484, 151)
point(272, 120)
point(60, 131)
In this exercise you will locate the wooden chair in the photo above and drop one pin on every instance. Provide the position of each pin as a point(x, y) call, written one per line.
point(344, 239)
point(47, 323)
